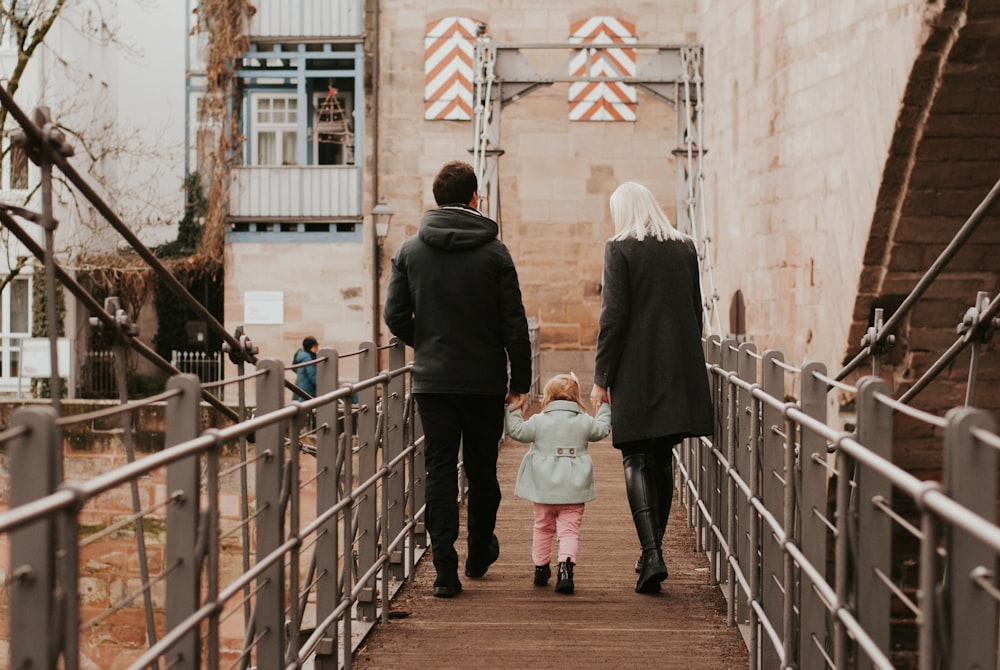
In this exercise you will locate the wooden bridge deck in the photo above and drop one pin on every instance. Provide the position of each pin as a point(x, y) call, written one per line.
point(504, 621)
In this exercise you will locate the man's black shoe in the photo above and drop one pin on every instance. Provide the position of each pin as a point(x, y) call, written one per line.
point(447, 586)
point(476, 567)
point(447, 591)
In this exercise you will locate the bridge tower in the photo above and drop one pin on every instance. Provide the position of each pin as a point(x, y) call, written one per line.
point(503, 74)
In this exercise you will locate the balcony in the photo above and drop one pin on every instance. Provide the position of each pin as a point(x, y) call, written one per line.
point(279, 19)
point(295, 192)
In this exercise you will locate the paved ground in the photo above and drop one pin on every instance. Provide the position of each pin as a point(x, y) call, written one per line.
point(503, 621)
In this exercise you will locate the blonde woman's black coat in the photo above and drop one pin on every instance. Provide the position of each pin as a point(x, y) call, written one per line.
point(649, 350)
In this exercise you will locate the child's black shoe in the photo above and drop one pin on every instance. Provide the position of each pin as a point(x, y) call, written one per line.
point(542, 574)
point(564, 583)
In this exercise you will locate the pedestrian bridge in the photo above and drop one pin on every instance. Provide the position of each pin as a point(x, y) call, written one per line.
point(289, 538)
point(292, 537)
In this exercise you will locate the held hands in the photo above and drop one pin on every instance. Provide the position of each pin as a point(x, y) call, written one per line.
point(516, 400)
point(599, 395)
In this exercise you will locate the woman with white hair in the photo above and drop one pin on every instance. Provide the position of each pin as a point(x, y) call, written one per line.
point(649, 364)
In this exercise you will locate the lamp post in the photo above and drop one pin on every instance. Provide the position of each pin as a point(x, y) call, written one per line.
point(381, 215)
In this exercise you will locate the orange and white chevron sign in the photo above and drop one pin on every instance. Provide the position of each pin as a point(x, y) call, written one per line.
point(595, 100)
point(449, 47)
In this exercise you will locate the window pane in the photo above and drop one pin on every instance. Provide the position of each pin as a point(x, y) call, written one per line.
point(266, 149)
point(15, 364)
point(293, 106)
point(288, 141)
point(19, 306)
point(18, 168)
point(264, 110)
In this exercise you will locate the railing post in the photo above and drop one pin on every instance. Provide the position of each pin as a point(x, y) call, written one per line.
point(348, 536)
point(754, 559)
point(700, 457)
point(393, 440)
point(708, 466)
point(812, 509)
point(415, 435)
point(723, 512)
point(34, 627)
point(183, 487)
point(269, 611)
point(743, 517)
point(772, 379)
point(366, 505)
point(874, 529)
point(846, 527)
point(970, 475)
point(328, 487)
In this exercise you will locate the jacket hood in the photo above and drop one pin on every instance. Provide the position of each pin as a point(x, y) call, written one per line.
point(566, 405)
point(456, 228)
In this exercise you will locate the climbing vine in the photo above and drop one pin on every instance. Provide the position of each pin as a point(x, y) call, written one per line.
point(171, 310)
point(224, 21)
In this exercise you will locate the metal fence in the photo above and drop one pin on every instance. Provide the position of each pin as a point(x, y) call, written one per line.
point(299, 586)
point(820, 541)
point(207, 367)
point(97, 375)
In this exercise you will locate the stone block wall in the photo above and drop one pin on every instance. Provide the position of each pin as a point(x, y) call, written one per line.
point(555, 176)
point(326, 290)
point(802, 105)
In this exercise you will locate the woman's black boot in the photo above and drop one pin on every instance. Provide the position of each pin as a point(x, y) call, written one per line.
point(653, 572)
point(640, 485)
point(663, 478)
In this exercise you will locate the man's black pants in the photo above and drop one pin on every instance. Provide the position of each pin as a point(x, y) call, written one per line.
point(474, 423)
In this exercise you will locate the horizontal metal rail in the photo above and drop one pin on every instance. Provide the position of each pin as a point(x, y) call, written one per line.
point(809, 551)
point(368, 515)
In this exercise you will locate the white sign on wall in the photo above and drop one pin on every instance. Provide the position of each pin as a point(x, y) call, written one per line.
point(35, 359)
point(264, 307)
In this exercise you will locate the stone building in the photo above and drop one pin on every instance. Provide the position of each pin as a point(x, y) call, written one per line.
point(845, 145)
point(848, 144)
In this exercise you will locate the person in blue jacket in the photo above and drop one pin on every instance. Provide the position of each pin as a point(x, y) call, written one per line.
point(557, 473)
point(306, 378)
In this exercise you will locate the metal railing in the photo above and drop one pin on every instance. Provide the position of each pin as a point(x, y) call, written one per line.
point(368, 456)
point(295, 192)
point(207, 367)
point(821, 542)
point(97, 374)
point(316, 578)
point(978, 323)
point(306, 18)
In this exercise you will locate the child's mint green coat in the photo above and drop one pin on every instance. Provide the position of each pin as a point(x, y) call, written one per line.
point(557, 468)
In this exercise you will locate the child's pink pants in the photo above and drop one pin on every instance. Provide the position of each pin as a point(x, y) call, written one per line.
point(564, 520)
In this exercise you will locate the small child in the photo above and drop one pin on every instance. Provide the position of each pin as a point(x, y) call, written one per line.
point(557, 473)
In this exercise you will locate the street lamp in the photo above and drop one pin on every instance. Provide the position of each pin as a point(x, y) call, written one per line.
point(381, 215)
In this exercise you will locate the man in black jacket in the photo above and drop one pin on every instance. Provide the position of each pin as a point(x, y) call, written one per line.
point(454, 297)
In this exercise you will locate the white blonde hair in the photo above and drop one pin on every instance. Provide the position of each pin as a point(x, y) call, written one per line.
point(636, 213)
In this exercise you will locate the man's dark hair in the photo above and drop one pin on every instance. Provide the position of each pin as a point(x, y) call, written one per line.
point(309, 343)
point(455, 184)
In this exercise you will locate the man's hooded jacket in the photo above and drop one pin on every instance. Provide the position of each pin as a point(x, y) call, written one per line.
point(454, 297)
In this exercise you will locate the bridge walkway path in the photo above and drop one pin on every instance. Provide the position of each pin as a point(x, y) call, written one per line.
point(504, 621)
